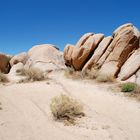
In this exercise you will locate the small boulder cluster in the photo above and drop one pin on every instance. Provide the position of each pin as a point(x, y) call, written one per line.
point(117, 56)
point(45, 58)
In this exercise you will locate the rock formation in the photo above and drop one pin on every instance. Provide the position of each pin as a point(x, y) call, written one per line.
point(116, 56)
point(22, 57)
point(45, 57)
point(4, 63)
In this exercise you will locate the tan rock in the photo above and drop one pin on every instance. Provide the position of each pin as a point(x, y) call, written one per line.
point(83, 39)
point(68, 54)
point(126, 39)
point(22, 57)
point(138, 77)
point(80, 55)
point(130, 66)
point(98, 52)
point(4, 63)
point(45, 57)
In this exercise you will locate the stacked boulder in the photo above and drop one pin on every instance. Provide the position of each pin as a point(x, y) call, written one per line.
point(4, 63)
point(45, 58)
point(116, 56)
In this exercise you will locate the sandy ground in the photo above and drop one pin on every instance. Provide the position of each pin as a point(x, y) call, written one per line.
point(26, 115)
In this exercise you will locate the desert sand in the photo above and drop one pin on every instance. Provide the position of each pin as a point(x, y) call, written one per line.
point(26, 114)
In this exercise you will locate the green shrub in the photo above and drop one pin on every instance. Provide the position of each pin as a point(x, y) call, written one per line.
point(65, 108)
point(128, 87)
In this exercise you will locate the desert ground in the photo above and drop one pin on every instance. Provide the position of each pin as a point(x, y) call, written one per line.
point(25, 111)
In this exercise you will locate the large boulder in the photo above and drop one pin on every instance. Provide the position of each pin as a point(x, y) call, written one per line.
point(126, 39)
point(4, 63)
point(45, 57)
point(138, 77)
point(83, 39)
point(98, 53)
point(130, 66)
point(67, 54)
point(80, 55)
point(22, 57)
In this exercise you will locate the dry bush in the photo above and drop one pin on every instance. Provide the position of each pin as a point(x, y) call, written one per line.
point(0, 106)
point(105, 78)
point(66, 109)
point(32, 74)
point(91, 73)
point(3, 78)
point(71, 73)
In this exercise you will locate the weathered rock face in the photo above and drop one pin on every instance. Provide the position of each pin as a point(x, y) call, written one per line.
point(126, 39)
point(81, 54)
point(83, 39)
point(130, 66)
point(116, 56)
point(22, 57)
point(138, 77)
point(45, 57)
point(98, 53)
point(67, 54)
point(4, 63)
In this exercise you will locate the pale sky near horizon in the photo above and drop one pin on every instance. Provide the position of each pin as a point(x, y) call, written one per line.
point(25, 23)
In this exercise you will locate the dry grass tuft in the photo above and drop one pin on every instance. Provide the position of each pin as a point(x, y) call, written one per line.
point(3, 78)
point(32, 74)
point(105, 78)
point(90, 73)
point(66, 109)
point(71, 73)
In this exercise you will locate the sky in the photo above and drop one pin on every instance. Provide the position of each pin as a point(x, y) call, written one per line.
point(25, 23)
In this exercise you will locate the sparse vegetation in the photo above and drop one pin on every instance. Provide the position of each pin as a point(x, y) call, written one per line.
point(32, 74)
point(128, 87)
point(0, 106)
point(71, 73)
point(91, 74)
point(66, 109)
point(3, 78)
point(105, 78)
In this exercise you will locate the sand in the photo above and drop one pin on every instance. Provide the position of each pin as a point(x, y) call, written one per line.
point(26, 114)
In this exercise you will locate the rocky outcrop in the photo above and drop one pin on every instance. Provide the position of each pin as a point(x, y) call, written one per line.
point(77, 55)
point(81, 54)
point(4, 63)
point(138, 77)
point(130, 66)
point(22, 57)
point(67, 54)
point(98, 53)
point(83, 39)
point(45, 57)
point(126, 40)
point(116, 56)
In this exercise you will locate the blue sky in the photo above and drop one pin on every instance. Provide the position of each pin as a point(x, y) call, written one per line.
point(24, 23)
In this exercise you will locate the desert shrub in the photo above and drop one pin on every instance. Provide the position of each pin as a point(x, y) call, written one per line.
point(105, 78)
point(128, 87)
point(32, 74)
point(65, 108)
point(71, 73)
point(3, 78)
point(90, 73)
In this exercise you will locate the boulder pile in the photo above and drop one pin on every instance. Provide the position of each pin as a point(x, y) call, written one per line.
point(45, 58)
point(117, 56)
